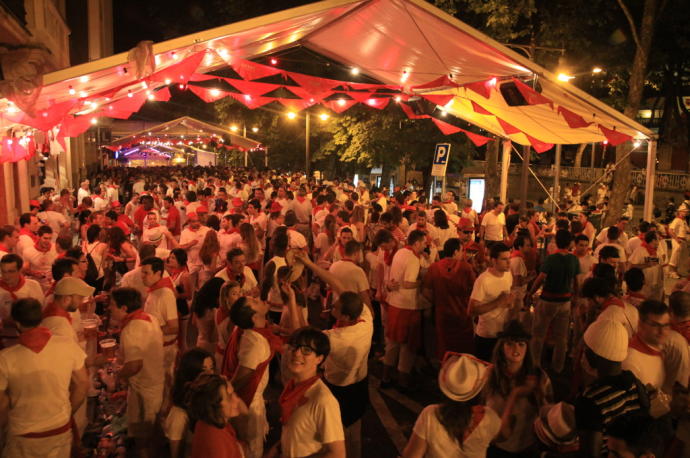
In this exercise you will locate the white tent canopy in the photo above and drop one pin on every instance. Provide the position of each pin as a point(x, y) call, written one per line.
point(400, 42)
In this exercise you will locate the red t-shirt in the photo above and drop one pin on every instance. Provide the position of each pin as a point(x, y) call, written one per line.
point(173, 221)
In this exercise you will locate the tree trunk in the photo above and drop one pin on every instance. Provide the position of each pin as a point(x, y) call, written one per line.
point(491, 169)
point(623, 173)
point(578, 156)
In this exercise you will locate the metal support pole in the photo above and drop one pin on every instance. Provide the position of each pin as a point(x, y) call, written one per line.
point(649, 181)
point(525, 178)
point(307, 157)
point(266, 156)
point(246, 151)
point(505, 168)
point(557, 176)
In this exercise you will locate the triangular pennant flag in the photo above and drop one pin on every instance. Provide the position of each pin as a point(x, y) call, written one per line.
point(314, 84)
point(306, 95)
point(480, 87)
point(72, 126)
point(295, 104)
point(162, 95)
point(410, 112)
point(251, 70)
point(614, 137)
point(206, 94)
point(46, 118)
point(479, 109)
point(251, 101)
point(574, 120)
point(127, 103)
point(379, 103)
point(251, 87)
point(181, 72)
point(508, 128)
point(361, 97)
point(538, 145)
point(442, 81)
point(372, 87)
point(531, 96)
point(339, 105)
point(438, 99)
point(478, 140)
point(446, 128)
point(202, 77)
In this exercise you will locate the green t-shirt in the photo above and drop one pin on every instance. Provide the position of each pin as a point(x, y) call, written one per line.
point(560, 270)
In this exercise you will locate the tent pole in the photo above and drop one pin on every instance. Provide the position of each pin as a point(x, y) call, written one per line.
point(307, 159)
point(557, 176)
point(505, 168)
point(266, 157)
point(649, 181)
point(525, 177)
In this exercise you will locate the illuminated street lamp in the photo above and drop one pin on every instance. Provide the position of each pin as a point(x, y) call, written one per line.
point(307, 125)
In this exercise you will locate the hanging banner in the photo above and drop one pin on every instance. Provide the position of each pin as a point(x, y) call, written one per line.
point(441, 155)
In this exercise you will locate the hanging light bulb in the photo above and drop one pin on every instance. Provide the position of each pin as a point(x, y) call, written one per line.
point(168, 81)
point(214, 92)
point(83, 94)
point(129, 94)
point(274, 61)
point(398, 99)
point(354, 71)
point(71, 91)
point(94, 121)
point(405, 75)
point(84, 79)
point(342, 102)
point(291, 115)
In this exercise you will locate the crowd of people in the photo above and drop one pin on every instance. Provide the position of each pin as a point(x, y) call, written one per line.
point(200, 287)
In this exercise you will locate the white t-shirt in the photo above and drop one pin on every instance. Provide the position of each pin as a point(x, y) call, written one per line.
point(404, 268)
point(162, 305)
point(143, 340)
point(187, 235)
point(254, 350)
point(621, 251)
point(628, 317)
point(487, 288)
point(652, 275)
point(55, 220)
point(679, 227)
point(347, 361)
point(440, 444)
point(249, 279)
point(60, 326)
point(296, 239)
point(31, 289)
point(603, 237)
point(351, 276)
point(132, 279)
point(81, 193)
point(38, 384)
point(518, 269)
point(632, 244)
point(176, 426)
point(586, 263)
point(40, 261)
point(493, 226)
point(314, 423)
point(649, 369)
point(228, 241)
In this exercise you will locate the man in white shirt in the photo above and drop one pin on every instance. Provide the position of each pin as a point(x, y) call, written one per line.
point(56, 220)
point(403, 330)
point(40, 257)
point(237, 270)
point(161, 304)
point(14, 286)
point(83, 191)
point(613, 235)
point(491, 300)
point(69, 294)
point(310, 414)
point(257, 218)
point(141, 344)
point(622, 237)
point(9, 236)
point(679, 232)
point(648, 257)
point(43, 381)
point(295, 238)
point(493, 227)
point(350, 274)
point(191, 239)
point(28, 224)
point(634, 242)
point(602, 296)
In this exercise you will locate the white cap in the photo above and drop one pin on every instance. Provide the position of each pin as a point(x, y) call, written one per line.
point(608, 339)
point(462, 376)
point(69, 286)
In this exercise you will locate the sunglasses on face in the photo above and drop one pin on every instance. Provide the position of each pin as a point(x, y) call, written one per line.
point(306, 350)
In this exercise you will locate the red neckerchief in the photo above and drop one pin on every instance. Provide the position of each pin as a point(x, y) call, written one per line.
point(153, 227)
point(300, 199)
point(234, 230)
point(4, 248)
point(682, 328)
point(164, 282)
point(467, 209)
point(231, 360)
point(27, 232)
point(232, 275)
point(408, 247)
point(612, 301)
point(345, 323)
point(517, 254)
point(54, 310)
point(642, 347)
point(42, 250)
point(388, 256)
point(35, 338)
point(477, 417)
point(293, 396)
point(317, 209)
point(651, 251)
point(13, 289)
point(135, 315)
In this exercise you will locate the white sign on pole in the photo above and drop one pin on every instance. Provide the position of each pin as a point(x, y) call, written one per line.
point(441, 154)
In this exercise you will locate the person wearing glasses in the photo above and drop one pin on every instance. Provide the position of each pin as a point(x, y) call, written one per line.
point(645, 357)
point(310, 414)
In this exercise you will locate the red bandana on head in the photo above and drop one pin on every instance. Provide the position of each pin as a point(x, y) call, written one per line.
point(35, 339)
point(293, 396)
point(13, 289)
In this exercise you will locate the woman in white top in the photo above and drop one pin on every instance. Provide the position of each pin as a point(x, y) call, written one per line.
point(97, 249)
point(444, 230)
point(459, 426)
point(251, 248)
point(326, 238)
point(176, 427)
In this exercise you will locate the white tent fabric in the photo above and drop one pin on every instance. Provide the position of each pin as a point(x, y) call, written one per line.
point(408, 42)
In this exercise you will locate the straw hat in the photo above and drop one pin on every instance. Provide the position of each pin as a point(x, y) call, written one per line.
point(555, 425)
point(608, 339)
point(155, 235)
point(295, 264)
point(462, 376)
